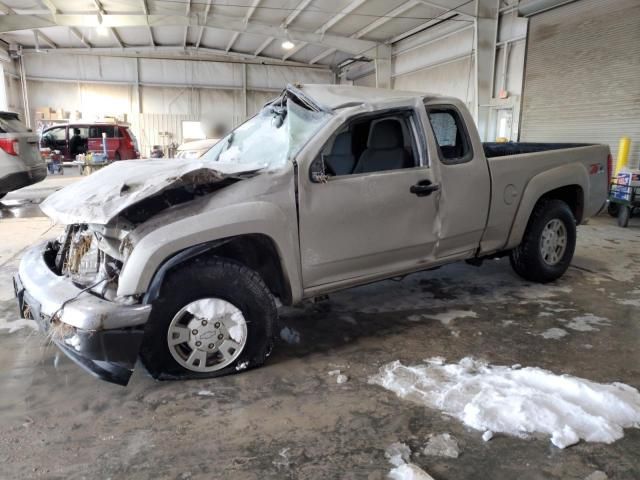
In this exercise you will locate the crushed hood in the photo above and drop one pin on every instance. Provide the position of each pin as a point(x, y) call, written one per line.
point(103, 195)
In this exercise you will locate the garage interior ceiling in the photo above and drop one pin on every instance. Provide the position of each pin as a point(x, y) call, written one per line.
point(323, 32)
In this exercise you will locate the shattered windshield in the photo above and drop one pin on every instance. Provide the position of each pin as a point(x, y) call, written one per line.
point(270, 138)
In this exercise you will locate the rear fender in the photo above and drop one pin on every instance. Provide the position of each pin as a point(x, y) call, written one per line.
point(538, 186)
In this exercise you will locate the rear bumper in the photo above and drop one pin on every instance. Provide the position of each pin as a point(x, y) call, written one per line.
point(15, 180)
point(102, 337)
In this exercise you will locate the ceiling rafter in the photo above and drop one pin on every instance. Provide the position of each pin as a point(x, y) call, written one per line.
point(207, 8)
point(186, 29)
point(247, 18)
point(349, 45)
point(328, 24)
point(446, 9)
point(54, 12)
point(145, 10)
point(297, 10)
point(39, 35)
point(112, 30)
point(396, 12)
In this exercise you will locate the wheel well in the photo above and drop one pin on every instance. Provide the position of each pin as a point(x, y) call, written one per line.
point(259, 253)
point(572, 195)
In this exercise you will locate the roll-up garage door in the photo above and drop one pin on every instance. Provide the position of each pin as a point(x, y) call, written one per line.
point(582, 78)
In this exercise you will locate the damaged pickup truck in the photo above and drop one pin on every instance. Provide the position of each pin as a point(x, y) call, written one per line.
point(181, 263)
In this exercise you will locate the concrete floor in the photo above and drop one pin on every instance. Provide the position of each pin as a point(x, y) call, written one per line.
point(290, 419)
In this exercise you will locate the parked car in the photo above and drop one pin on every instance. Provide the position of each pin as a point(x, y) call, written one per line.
point(326, 188)
point(20, 161)
point(75, 138)
point(196, 149)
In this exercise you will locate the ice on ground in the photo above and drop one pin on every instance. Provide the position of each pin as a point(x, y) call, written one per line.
point(587, 323)
point(409, 471)
point(449, 316)
point(18, 324)
point(518, 401)
point(289, 335)
point(597, 475)
point(283, 459)
point(554, 333)
point(341, 379)
point(631, 302)
point(443, 445)
point(488, 435)
point(206, 393)
point(398, 453)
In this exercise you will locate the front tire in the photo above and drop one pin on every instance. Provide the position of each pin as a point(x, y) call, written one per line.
point(213, 317)
point(548, 243)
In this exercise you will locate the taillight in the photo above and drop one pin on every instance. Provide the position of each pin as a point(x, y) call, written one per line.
point(609, 168)
point(10, 146)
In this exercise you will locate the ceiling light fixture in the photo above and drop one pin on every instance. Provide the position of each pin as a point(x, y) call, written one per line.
point(102, 31)
point(288, 45)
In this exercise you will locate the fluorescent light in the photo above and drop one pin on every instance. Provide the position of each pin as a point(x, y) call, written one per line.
point(287, 45)
point(102, 31)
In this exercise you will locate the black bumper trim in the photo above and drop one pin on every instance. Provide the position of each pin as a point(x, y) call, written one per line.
point(110, 355)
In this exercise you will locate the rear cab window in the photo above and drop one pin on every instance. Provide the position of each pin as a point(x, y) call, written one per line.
point(454, 146)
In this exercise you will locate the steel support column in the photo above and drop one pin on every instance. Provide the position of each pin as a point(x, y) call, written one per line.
point(486, 32)
point(383, 66)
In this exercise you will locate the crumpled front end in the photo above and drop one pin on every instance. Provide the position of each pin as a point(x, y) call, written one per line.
point(68, 287)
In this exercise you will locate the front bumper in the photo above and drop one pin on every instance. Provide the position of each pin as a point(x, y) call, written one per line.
point(101, 336)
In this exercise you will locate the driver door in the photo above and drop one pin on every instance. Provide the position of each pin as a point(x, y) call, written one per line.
point(360, 225)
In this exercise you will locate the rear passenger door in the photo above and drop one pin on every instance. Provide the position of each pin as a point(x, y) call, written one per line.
point(465, 192)
point(95, 139)
point(367, 204)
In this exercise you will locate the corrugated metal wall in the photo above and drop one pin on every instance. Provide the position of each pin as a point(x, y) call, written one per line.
point(582, 79)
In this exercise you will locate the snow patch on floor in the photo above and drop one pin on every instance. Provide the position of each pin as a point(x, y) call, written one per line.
point(587, 323)
point(399, 455)
point(450, 315)
point(19, 324)
point(443, 445)
point(409, 471)
point(289, 335)
point(518, 402)
point(554, 333)
point(631, 302)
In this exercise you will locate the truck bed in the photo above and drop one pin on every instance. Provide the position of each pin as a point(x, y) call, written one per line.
point(493, 149)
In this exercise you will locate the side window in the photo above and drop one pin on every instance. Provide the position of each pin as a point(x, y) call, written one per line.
point(369, 144)
point(58, 134)
point(451, 135)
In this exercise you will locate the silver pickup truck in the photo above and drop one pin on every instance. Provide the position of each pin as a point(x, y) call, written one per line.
point(183, 262)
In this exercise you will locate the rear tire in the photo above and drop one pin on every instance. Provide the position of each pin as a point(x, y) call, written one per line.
point(613, 209)
point(117, 157)
point(623, 216)
point(228, 283)
point(548, 243)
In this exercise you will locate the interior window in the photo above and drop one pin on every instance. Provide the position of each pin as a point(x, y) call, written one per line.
point(371, 144)
point(450, 135)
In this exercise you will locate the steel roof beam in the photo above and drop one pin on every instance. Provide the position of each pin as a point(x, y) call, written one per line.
point(10, 23)
point(247, 18)
point(297, 10)
point(328, 24)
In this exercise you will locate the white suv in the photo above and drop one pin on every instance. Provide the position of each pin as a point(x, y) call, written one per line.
point(20, 161)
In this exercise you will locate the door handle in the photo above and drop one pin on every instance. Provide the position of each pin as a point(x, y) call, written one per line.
point(424, 188)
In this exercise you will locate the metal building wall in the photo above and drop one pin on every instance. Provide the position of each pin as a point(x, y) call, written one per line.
point(582, 77)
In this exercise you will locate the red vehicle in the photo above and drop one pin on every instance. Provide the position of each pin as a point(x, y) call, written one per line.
point(75, 138)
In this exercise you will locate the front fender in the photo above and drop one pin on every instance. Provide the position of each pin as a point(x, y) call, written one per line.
point(545, 182)
point(257, 217)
